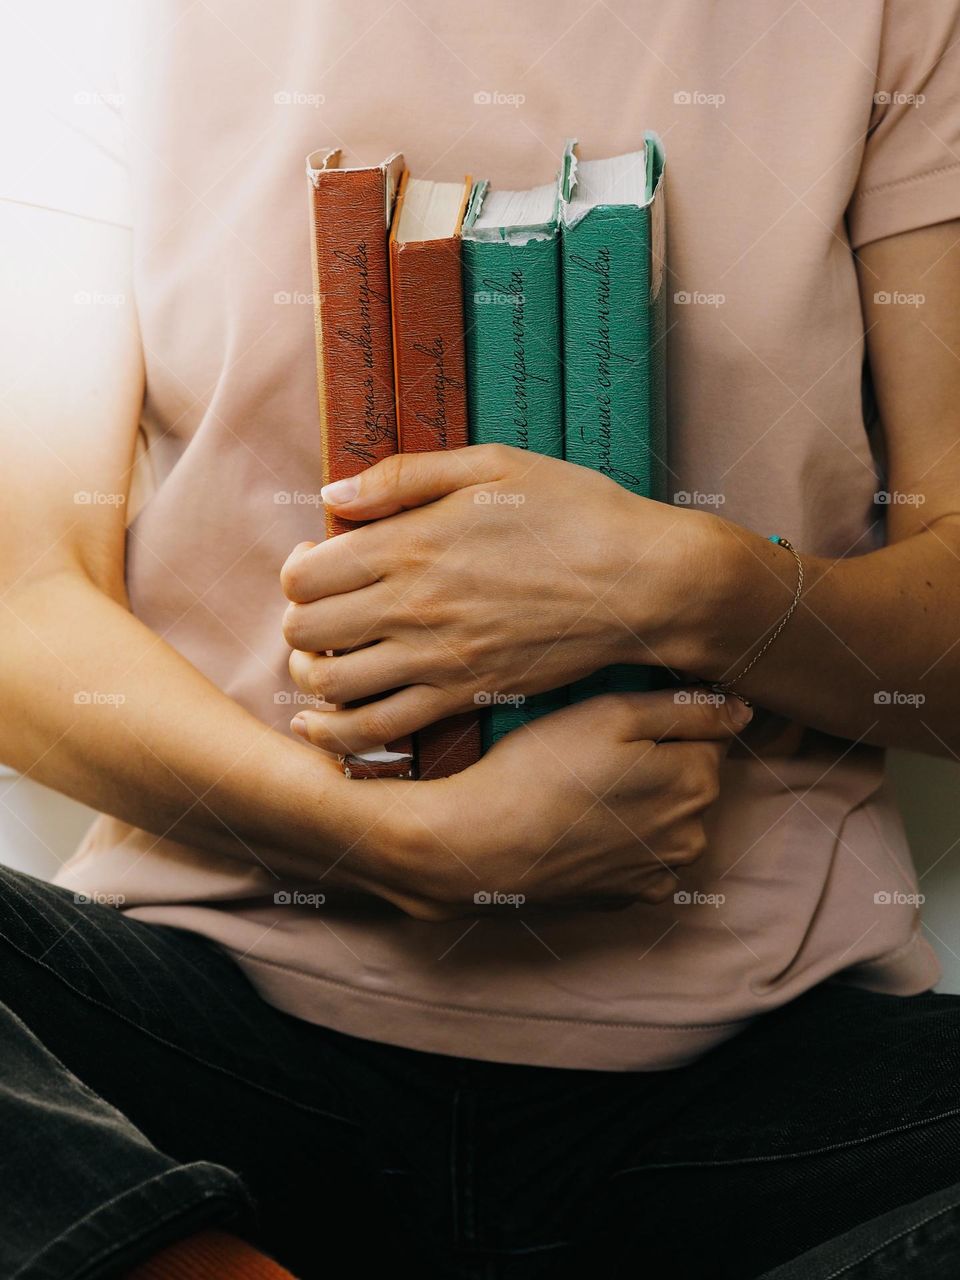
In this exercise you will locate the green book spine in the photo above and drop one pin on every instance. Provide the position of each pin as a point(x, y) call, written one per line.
point(614, 323)
point(511, 297)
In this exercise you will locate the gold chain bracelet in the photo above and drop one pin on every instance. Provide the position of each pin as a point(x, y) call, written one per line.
point(726, 686)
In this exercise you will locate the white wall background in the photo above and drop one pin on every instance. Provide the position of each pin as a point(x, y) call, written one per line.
point(39, 829)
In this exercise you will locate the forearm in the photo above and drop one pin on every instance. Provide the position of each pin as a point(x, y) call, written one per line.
point(871, 652)
point(99, 707)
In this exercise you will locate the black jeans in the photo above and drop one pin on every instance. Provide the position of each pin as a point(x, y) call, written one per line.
point(146, 1091)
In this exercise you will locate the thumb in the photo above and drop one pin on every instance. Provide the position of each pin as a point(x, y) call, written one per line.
point(410, 480)
point(690, 714)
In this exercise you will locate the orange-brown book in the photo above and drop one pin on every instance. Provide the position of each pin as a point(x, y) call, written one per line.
point(430, 367)
point(350, 216)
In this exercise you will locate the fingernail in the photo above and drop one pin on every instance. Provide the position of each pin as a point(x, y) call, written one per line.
point(740, 713)
point(341, 490)
point(299, 725)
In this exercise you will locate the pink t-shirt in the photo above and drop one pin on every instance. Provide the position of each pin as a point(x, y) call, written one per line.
point(794, 133)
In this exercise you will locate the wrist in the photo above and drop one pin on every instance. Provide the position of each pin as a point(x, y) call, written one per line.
point(392, 839)
point(745, 584)
point(678, 594)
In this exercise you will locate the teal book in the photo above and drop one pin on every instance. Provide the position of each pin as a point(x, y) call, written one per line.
point(511, 296)
point(614, 328)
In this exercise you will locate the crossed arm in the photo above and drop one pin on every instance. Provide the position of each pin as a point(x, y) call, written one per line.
point(592, 806)
point(518, 596)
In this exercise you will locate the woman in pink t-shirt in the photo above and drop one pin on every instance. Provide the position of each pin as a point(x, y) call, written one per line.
point(265, 1012)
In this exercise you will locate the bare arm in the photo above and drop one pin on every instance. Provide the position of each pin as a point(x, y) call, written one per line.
point(95, 704)
point(570, 572)
point(591, 808)
point(874, 649)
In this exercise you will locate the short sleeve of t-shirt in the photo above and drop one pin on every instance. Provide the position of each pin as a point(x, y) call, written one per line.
point(61, 103)
point(910, 175)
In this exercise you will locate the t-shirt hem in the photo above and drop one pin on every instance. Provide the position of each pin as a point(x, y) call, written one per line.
point(545, 1040)
point(907, 204)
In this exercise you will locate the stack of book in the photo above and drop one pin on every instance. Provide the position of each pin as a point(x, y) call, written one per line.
point(454, 313)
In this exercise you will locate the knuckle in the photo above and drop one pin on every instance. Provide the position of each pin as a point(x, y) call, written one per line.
point(375, 725)
point(293, 628)
point(324, 680)
point(395, 466)
point(298, 664)
point(293, 578)
point(414, 550)
point(658, 890)
point(496, 456)
point(615, 710)
point(693, 848)
point(702, 777)
point(425, 603)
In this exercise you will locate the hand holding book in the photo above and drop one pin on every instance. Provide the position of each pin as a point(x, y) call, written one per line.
point(487, 574)
point(533, 319)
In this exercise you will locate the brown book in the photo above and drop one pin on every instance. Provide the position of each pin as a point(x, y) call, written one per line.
point(429, 361)
point(350, 213)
